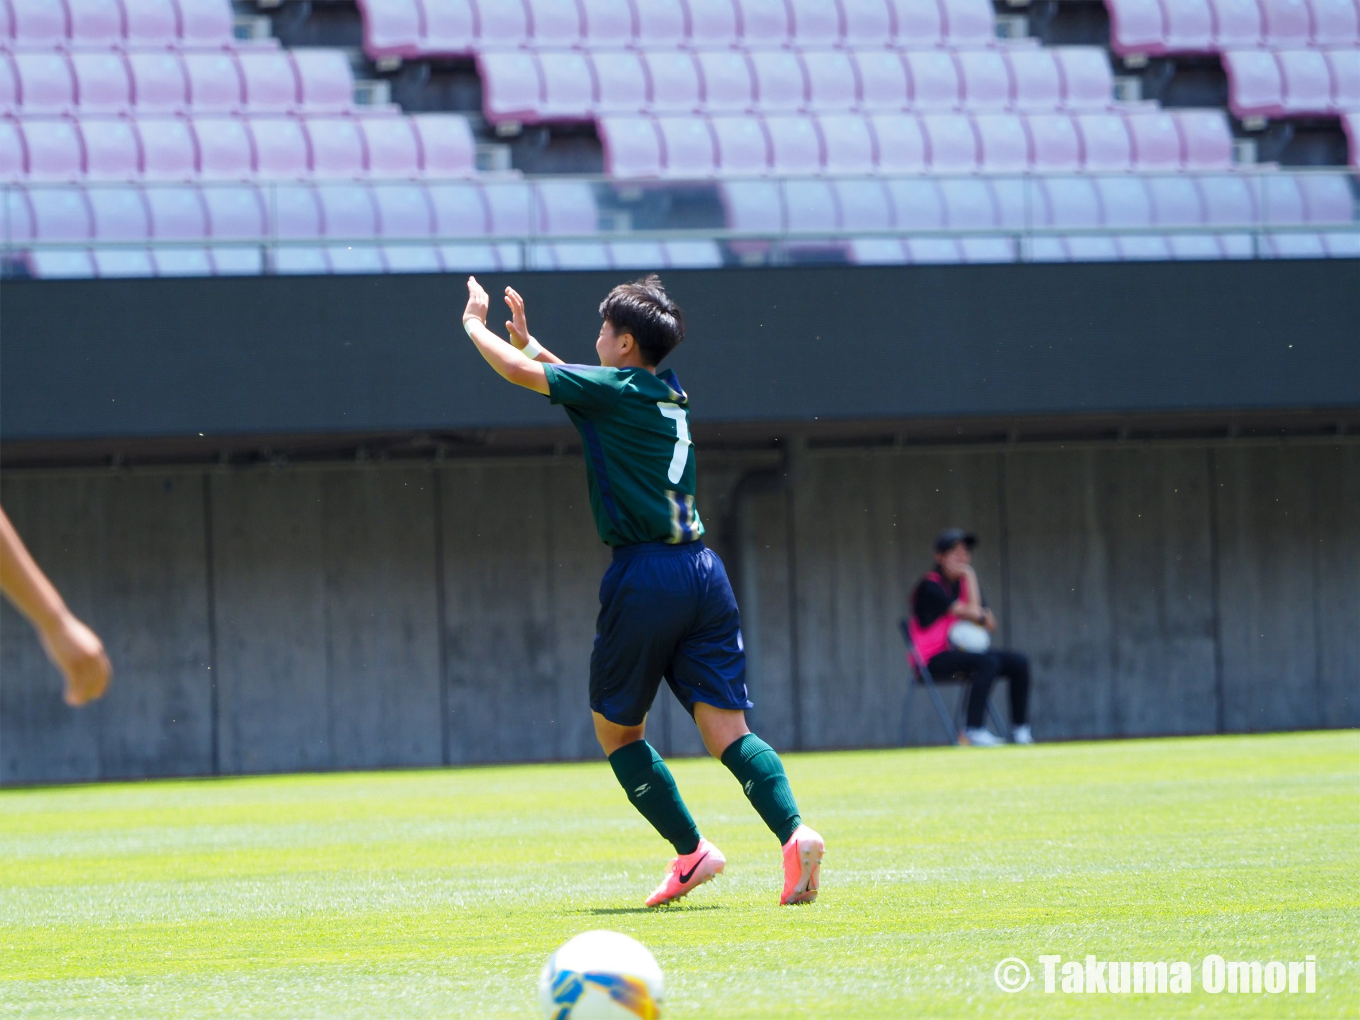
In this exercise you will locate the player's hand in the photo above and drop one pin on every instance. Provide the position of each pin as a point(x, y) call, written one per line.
point(989, 620)
point(518, 327)
point(478, 304)
point(79, 654)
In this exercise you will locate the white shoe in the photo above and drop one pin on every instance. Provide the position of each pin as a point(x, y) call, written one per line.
point(1022, 735)
point(981, 737)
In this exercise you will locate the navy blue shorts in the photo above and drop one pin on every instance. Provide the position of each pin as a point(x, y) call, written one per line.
point(666, 611)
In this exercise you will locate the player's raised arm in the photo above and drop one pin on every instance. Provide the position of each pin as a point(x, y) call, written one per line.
point(518, 328)
point(503, 357)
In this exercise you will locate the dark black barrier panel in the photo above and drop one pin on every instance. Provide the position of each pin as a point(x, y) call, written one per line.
point(84, 359)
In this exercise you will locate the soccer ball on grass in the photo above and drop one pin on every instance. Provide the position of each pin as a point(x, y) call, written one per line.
point(599, 975)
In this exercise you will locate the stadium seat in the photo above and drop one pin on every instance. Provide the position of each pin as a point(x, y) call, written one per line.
point(1286, 23)
point(1228, 201)
point(501, 24)
point(392, 28)
point(810, 208)
point(607, 22)
point(1014, 199)
point(1255, 86)
point(111, 149)
point(1189, 27)
point(102, 81)
point(831, 80)
point(1105, 142)
point(1327, 198)
point(158, 82)
point(447, 148)
point(53, 150)
point(150, 22)
point(236, 214)
point(510, 85)
point(931, 251)
point(1126, 205)
point(985, 80)
point(95, 22)
point(969, 22)
point(663, 23)
point(1279, 199)
point(641, 255)
point(727, 81)
point(460, 213)
point(295, 216)
point(866, 22)
point(816, 23)
point(392, 147)
point(711, 22)
point(205, 22)
point(1036, 81)
point(336, 146)
point(59, 214)
point(918, 24)
point(167, 149)
point(1335, 23)
point(1156, 142)
point(280, 147)
point(693, 254)
point(224, 149)
point(568, 88)
point(934, 80)
point(917, 203)
point(1345, 68)
point(743, 147)
point(780, 82)
point(1003, 146)
point(763, 22)
point(1175, 201)
point(553, 22)
point(61, 264)
point(1067, 202)
point(1054, 145)
point(883, 80)
point(178, 214)
point(9, 83)
point(214, 81)
point(753, 207)
point(876, 251)
point(348, 216)
point(270, 82)
point(1237, 24)
point(687, 146)
point(1088, 81)
point(1307, 82)
point(11, 151)
point(510, 207)
point(38, 22)
point(620, 82)
point(325, 80)
point(1136, 26)
point(448, 28)
point(631, 146)
point(968, 204)
point(565, 208)
point(674, 79)
point(900, 145)
point(45, 82)
point(1205, 139)
point(847, 144)
point(795, 147)
point(864, 205)
point(951, 145)
point(119, 216)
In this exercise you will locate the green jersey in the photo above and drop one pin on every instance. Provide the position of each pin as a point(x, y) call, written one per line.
point(639, 459)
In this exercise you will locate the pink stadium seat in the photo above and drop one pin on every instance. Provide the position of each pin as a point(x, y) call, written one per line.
point(607, 22)
point(713, 22)
point(1088, 82)
point(45, 82)
point(568, 88)
point(348, 216)
point(501, 23)
point(336, 145)
point(883, 80)
point(620, 81)
point(1175, 201)
point(280, 147)
point(554, 22)
point(119, 214)
point(565, 207)
point(510, 208)
point(1136, 26)
point(780, 82)
point(810, 207)
point(934, 80)
point(795, 147)
point(969, 22)
point(864, 205)
point(270, 81)
point(674, 81)
point(847, 142)
point(1327, 198)
point(918, 23)
point(743, 147)
point(1189, 27)
point(687, 146)
point(510, 85)
point(448, 27)
point(1228, 200)
point(696, 254)
point(1105, 142)
point(1335, 22)
point(951, 145)
point(1015, 199)
point(391, 27)
point(968, 204)
point(866, 22)
point(1072, 203)
point(325, 80)
point(168, 151)
point(1287, 23)
point(917, 204)
point(224, 149)
point(150, 22)
point(1295, 245)
point(663, 23)
point(831, 80)
point(816, 23)
point(632, 147)
point(38, 22)
point(294, 216)
point(1003, 146)
point(1345, 67)
point(235, 212)
point(985, 79)
point(1279, 199)
point(102, 81)
point(876, 251)
point(1255, 85)
point(763, 22)
point(11, 151)
point(9, 83)
point(214, 81)
point(60, 264)
point(1156, 142)
point(753, 207)
point(1205, 139)
point(638, 255)
point(158, 82)
point(205, 21)
point(1036, 81)
point(459, 211)
point(571, 255)
point(932, 251)
point(1053, 142)
point(1307, 81)
point(95, 22)
point(728, 85)
point(53, 149)
point(900, 145)
point(60, 214)
point(392, 147)
point(1126, 204)
point(111, 150)
point(1237, 24)
point(178, 214)
point(447, 148)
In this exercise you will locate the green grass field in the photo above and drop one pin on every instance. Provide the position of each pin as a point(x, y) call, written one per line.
point(440, 893)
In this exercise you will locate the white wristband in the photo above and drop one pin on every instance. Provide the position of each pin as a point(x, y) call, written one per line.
point(467, 328)
point(532, 349)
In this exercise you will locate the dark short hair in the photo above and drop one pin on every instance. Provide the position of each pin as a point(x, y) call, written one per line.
point(644, 309)
point(951, 537)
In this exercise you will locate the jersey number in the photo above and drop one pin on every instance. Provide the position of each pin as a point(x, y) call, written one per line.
point(677, 414)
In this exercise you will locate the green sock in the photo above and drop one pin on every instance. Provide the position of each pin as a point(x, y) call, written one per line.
point(761, 774)
point(651, 788)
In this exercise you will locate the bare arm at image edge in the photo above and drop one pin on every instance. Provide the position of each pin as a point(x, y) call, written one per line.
point(73, 647)
point(504, 357)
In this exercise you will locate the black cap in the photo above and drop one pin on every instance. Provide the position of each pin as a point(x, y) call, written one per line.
point(951, 537)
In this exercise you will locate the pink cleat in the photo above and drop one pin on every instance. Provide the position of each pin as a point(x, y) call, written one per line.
point(802, 866)
point(688, 872)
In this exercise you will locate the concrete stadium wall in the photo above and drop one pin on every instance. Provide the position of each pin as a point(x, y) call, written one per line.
point(355, 616)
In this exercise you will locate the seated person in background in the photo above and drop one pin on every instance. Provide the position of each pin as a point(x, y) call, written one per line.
point(944, 598)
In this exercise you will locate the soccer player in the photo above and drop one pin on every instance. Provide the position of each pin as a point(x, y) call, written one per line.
point(666, 607)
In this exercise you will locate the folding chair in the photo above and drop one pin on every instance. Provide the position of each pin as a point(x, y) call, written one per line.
point(921, 676)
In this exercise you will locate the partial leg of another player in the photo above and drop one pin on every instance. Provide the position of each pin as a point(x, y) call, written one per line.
point(760, 771)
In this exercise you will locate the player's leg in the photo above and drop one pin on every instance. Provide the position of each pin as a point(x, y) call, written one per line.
point(648, 783)
point(1015, 668)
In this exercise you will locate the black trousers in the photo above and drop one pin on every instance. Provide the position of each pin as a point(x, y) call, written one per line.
point(983, 670)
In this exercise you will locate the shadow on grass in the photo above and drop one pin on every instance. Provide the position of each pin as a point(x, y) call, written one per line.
point(652, 910)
